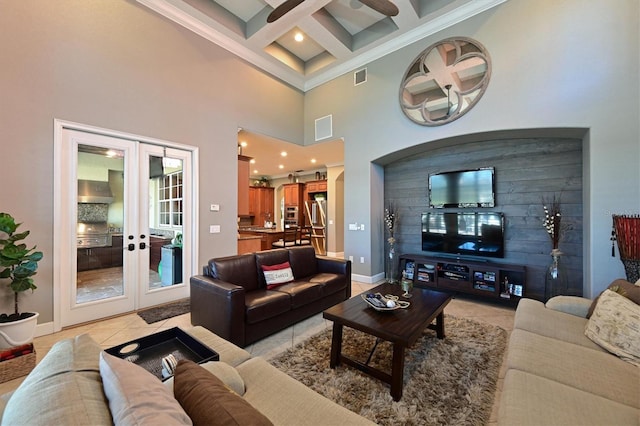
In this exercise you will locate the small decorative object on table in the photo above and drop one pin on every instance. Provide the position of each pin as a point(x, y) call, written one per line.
point(385, 303)
point(407, 285)
point(556, 279)
point(626, 230)
point(391, 269)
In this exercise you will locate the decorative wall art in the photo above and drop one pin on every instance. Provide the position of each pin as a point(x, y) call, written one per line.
point(445, 81)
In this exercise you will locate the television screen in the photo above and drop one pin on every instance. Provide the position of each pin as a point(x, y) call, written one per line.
point(477, 234)
point(464, 188)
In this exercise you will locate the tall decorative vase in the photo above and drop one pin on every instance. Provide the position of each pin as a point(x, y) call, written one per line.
point(391, 267)
point(556, 279)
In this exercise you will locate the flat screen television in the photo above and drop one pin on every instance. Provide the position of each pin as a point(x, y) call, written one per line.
point(460, 234)
point(462, 188)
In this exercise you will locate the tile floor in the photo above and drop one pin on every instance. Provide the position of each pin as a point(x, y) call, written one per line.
point(121, 329)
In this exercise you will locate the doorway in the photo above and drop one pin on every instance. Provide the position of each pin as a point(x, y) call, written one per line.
point(124, 221)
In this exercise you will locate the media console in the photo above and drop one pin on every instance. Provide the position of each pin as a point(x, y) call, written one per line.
point(486, 278)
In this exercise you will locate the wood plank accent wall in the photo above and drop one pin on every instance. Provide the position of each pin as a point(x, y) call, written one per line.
point(526, 170)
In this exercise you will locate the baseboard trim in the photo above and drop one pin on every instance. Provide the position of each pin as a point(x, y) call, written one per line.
point(44, 329)
point(367, 279)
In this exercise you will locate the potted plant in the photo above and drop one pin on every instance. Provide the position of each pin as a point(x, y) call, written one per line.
point(18, 264)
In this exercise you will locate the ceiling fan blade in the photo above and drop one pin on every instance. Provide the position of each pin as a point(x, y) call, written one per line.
point(383, 6)
point(283, 9)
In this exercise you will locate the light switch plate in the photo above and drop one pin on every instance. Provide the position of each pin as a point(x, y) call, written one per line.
point(215, 207)
point(214, 229)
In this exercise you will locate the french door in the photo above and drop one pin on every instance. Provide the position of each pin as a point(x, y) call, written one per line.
point(125, 224)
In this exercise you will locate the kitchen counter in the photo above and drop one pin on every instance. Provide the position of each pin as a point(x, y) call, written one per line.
point(249, 243)
point(267, 235)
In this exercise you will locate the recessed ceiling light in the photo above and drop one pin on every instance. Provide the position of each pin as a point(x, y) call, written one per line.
point(283, 153)
point(255, 172)
point(243, 144)
point(281, 166)
point(313, 160)
point(252, 161)
point(298, 37)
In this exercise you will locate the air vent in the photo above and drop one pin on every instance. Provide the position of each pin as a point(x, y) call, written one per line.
point(360, 76)
point(324, 127)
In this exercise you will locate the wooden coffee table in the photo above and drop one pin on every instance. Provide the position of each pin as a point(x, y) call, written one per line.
point(402, 327)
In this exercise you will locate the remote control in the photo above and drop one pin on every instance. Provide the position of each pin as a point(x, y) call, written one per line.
point(375, 300)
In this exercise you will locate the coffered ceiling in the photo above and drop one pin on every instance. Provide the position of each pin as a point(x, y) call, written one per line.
point(340, 36)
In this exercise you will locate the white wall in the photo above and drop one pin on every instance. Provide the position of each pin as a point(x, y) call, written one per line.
point(116, 64)
point(569, 64)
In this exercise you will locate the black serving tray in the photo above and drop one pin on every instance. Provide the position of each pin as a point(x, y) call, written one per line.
point(148, 351)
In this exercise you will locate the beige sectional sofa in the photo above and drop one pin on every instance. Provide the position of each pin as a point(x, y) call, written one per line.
point(557, 376)
point(66, 387)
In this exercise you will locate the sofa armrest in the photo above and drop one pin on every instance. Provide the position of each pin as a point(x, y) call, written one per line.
point(336, 266)
point(218, 306)
point(574, 305)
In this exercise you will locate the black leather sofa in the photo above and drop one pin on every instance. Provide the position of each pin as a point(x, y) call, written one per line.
point(232, 300)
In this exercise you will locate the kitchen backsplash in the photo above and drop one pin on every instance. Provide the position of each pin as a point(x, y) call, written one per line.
point(93, 212)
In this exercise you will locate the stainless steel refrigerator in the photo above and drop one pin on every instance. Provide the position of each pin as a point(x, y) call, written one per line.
point(315, 212)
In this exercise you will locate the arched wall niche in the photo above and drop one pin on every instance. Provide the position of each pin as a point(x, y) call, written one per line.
point(531, 165)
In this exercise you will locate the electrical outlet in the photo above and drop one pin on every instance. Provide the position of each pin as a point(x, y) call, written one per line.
point(353, 227)
point(362, 227)
point(361, 259)
point(214, 229)
point(215, 207)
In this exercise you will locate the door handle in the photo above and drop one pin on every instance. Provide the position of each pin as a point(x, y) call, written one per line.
point(143, 246)
point(131, 247)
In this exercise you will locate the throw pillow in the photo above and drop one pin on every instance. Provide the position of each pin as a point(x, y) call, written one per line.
point(222, 371)
point(208, 401)
point(137, 397)
point(276, 275)
point(615, 326)
point(622, 287)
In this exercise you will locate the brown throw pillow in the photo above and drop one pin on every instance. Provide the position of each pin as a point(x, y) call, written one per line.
point(208, 401)
point(622, 287)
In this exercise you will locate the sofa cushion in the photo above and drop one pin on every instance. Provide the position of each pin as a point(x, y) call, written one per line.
point(331, 283)
point(209, 402)
point(65, 384)
point(239, 270)
point(574, 305)
point(264, 304)
point(532, 316)
point(592, 371)
point(530, 400)
point(268, 258)
point(137, 397)
point(276, 275)
point(262, 378)
point(615, 325)
point(303, 261)
point(301, 292)
point(223, 371)
point(620, 286)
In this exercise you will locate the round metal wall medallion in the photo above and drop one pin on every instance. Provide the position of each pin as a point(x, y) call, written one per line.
point(445, 81)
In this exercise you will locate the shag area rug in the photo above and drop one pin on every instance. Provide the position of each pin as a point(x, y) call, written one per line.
point(446, 382)
point(163, 312)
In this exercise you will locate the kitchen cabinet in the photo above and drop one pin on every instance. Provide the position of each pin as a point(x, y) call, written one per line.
point(243, 185)
point(101, 257)
point(116, 250)
point(316, 186)
point(93, 258)
point(293, 193)
point(261, 201)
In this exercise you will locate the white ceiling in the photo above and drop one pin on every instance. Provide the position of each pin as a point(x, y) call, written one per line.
point(341, 36)
point(266, 152)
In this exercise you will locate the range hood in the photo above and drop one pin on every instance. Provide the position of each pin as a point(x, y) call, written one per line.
point(94, 191)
